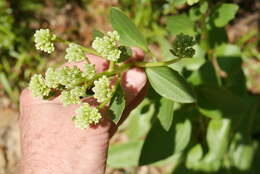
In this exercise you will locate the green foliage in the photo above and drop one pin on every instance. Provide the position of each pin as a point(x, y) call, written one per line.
point(223, 13)
point(17, 60)
point(166, 113)
point(216, 134)
point(201, 114)
point(180, 24)
point(170, 84)
point(129, 34)
point(125, 154)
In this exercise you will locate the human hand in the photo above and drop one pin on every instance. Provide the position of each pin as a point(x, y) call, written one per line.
point(51, 143)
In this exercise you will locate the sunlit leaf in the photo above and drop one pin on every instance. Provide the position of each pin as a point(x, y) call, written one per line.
point(170, 84)
point(180, 24)
point(223, 14)
point(129, 34)
point(166, 112)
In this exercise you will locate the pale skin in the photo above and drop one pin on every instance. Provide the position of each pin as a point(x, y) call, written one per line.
point(50, 142)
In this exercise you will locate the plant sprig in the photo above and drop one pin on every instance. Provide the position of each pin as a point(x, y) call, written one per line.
point(73, 84)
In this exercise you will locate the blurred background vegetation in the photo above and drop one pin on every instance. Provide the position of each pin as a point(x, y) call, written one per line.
point(227, 56)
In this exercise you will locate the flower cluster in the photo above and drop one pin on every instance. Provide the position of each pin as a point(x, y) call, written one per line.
point(74, 53)
point(70, 76)
point(73, 96)
point(72, 83)
point(44, 40)
point(86, 115)
point(107, 46)
point(191, 2)
point(89, 71)
point(38, 87)
point(101, 89)
point(182, 46)
point(51, 78)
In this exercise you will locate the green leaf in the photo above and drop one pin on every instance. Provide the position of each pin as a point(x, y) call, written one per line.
point(165, 144)
point(180, 24)
point(194, 156)
point(194, 13)
point(165, 47)
point(124, 155)
point(217, 140)
point(140, 120)
point(129, 34)
point(242, 151)
point(179, 2)
point(166, 112)
point(216, 36)
point(170, 84)
point(183, 135)
point(223, 14)
point(117, 105)
point(228, 50)
point(158, 145)
point(218, 103)
point(204, 7)
point(218, 131)
point(244, 155)
point(204, 75)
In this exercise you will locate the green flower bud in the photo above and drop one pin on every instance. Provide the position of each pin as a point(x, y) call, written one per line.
point(44, 40)
point(38, 87)
point(51, 78)
point(70, 76)
point(86, 115)
point(101, 89)
point(74, 53)
point(107, 46)
point(182, 46)
point(73, 96)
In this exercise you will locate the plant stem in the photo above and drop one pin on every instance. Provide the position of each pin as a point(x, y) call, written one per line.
point(155, 64)
point(111, 66)
point(124, 67)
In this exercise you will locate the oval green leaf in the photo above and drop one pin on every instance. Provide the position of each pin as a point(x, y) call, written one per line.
point(129, 34)
point(166, 112)
point(170, 84)
point(223, 14)
point(183, 135)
